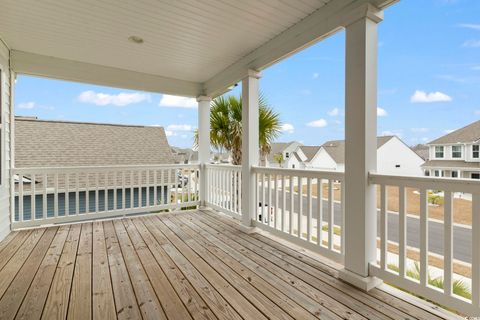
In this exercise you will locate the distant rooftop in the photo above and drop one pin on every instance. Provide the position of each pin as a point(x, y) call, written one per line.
point(58, 143)
point(467, 134)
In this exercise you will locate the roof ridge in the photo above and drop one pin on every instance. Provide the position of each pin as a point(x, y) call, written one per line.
point(34, 119)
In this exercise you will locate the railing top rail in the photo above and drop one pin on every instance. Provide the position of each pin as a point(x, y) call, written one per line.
point(227, 166)
point(436, 183)
point(309, 173)
point(93, 168)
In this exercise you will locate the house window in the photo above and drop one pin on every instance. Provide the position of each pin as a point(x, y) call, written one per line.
point(438, 173)
point(476, 151)
point(397, 166)
point(454, 174)
point(475, 175)
point(439, 151)
point(287, 155)
point(456, 152)
point(427, 173)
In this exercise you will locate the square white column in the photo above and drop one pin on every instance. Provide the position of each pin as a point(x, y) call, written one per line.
point(250, 145)
point(360, 148)
point(203, 144)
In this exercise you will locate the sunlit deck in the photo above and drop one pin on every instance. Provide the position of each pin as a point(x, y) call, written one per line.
point(177, 266)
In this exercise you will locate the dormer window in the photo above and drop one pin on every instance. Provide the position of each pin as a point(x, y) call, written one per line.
point(439, 151)
point(287, 155)
point(456, 152)
point(476, 151)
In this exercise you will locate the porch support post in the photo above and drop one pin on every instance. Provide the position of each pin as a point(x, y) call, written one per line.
point(203, 144)
point(250, 145)
point(360, 147)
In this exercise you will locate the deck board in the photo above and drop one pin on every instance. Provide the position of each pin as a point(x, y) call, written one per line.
point(185, 265)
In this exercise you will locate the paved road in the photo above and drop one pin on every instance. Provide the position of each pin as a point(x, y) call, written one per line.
point(461, 236)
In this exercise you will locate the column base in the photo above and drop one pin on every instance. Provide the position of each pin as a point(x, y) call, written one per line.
point(246, 229)
point(364, 283)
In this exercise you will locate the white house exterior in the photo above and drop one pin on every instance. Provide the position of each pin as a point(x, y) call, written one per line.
point(455, 155)
point(291, 153)
point(393, 157)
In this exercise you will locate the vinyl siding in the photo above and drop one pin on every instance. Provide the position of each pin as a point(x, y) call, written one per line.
point(6, 110)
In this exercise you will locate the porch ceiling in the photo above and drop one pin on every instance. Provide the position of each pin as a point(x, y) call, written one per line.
point(199, 46)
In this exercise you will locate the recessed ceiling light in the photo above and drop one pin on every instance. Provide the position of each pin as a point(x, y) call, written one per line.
point(135, 39)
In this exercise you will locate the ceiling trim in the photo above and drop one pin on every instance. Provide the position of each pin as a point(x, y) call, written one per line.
point(327, 20)
point(57, 68)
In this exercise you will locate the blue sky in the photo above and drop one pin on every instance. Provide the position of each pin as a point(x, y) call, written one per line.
point(429, 83)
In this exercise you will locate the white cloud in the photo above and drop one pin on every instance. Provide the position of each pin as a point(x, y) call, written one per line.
point(120, 100)
point(288, 128)
point(320, 123)
point(470, 26)
point(424, 97)
point(316, 75)
point(177, 102)
point(169, 133)
point(381, 112)
point(471, 44)
point(448, 131)
point(334, 112)
point(179, 127)
point(419, 130)
point(27, 105)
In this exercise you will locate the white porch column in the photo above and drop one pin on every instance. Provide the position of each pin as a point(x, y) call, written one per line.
point(360, 147)
point(203, 143)
point(250, 145)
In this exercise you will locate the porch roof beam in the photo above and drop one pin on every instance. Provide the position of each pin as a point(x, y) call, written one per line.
point(322, 23)
point(57, 68)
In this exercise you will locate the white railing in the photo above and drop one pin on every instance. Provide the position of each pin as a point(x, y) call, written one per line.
point(302, 206)
point(55, 195)
point(224, 188)
point(441, 290)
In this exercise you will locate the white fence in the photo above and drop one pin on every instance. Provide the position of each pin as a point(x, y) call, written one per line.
point(224, 188)
point(399, 275)
point(54, 195)
point(302, 206)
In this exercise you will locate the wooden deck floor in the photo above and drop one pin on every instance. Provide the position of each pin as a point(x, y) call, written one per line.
point(194, 265)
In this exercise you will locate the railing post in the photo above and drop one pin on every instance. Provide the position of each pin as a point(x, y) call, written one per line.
point(361, 146)
point(203, 144)
point(250, 145)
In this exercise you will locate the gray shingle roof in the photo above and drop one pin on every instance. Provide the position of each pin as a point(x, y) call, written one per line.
point(451, 164)
point(42, 143)
point(422, 150)
point(469, 133)
point(310, 151)
point(336, 148)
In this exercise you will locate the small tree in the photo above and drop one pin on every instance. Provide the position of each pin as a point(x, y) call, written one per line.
point(278, 157)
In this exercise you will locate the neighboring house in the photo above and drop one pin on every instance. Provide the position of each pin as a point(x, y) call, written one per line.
point(185, 155)
point(54, 144)
point(316, 157)
point(290, 154)
point(393, 157)
point(422, 150)
point(456, 154)
point(44, 143)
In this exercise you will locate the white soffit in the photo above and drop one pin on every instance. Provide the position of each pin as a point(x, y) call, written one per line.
point(187, 41)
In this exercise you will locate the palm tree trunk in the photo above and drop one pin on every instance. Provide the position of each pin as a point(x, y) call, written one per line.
point(236, 156)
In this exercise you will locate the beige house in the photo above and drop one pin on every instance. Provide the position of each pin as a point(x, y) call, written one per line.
point(456, 154)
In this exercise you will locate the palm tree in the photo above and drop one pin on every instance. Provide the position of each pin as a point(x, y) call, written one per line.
point(226, 126)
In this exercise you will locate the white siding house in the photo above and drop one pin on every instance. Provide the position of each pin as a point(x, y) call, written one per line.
point(393, 157)
point(5, 139)
point(456, 154)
